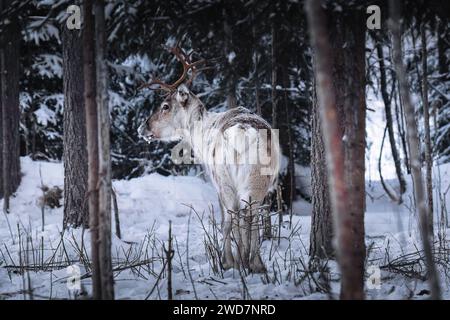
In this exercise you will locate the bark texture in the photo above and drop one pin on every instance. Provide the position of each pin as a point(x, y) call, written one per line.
point(426, 120)
point(92, 141)
point(1, 136)
point(104, 218)
point(348, 45)
point(74, 140)
point(9, 105)
point(274, 73)
point(413, 143)
point(442, 46)
point(340, 76)
point(281, 114)
point(230, 81)
point(321, 245)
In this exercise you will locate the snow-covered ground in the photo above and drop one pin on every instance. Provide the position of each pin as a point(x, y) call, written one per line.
point(147, 204)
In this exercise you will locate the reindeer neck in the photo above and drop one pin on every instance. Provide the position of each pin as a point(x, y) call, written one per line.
point(197, 127)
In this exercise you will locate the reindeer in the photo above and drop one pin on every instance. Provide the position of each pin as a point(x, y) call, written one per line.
point(224, 143)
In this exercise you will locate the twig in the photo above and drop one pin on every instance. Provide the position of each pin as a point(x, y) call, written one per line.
point(187, 255)
point(43, 200)
point(169, 256)
point(389, 192)
point(116, 213)
point(157, 280)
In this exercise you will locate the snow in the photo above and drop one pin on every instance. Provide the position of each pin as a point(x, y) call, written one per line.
point(48, 65)
point(375, 125)
point(231, 56)
point(38, 32)
point(147, 204)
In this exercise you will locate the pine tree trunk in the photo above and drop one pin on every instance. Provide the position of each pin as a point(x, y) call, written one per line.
point(389, 120)
point(340, 88)
point(10, 114)
point(321, 236)
point(74, 141)
point(413, 143)
point(104, 219)
point(348, 45)
point(1, 131)
point(92, 142)
point(426, 119)
point(230, 82)
point(255, 70)
point(274, 77)
point(291, 188)
point(442, 46)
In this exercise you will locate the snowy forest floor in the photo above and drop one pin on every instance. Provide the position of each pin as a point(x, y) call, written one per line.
point(35, 261)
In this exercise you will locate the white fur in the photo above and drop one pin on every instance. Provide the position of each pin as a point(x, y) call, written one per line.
point(228, 145)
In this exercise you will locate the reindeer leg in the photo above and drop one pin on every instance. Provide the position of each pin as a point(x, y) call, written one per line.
point(227, 253)
point(255, 198)
point(244, 231)
point(239, 246)
point(255, 265)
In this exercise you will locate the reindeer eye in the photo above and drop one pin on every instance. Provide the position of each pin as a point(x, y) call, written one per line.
point(165, 107)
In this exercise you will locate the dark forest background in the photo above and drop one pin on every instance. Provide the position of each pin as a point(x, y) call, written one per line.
point(260, 58)
point(74, 95)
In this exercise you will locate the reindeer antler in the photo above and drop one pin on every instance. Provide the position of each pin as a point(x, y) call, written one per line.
point(186, 61)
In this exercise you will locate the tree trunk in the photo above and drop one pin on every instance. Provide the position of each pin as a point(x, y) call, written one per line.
point(413, 143)
point(389, 121)
point(74, 141)
point(230, 82)
point(92, 142)
point(341, 97)
point(442, 46)
point(321, 236)
point(1, 129)
point(348, 45)
point(426, 119)
point(291, 189)
point(10, 114)
point(255, 60)
point(274, 78)
point(104, 218)
point(280, 109)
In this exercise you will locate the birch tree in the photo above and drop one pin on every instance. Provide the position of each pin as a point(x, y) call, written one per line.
point(413, 143)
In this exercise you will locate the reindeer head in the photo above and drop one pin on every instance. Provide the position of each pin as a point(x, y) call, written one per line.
point(169, 119)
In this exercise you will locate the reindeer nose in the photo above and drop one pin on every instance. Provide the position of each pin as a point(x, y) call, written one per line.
point(144, 133)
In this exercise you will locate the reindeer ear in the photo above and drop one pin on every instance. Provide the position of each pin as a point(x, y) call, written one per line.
point(182, 95)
